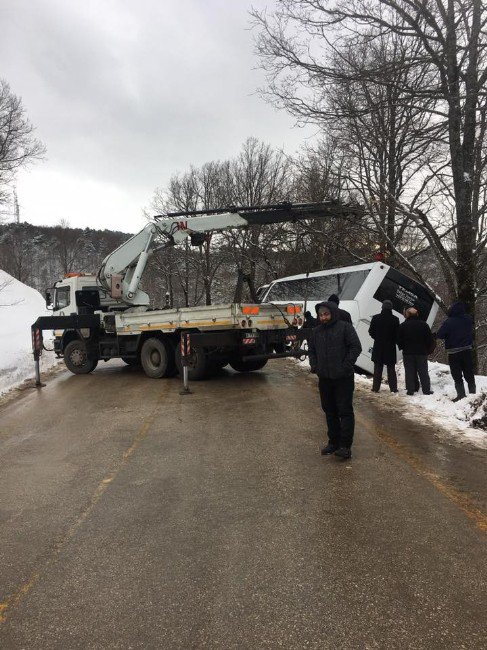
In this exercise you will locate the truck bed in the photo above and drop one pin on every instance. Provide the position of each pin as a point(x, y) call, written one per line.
point(207, 318)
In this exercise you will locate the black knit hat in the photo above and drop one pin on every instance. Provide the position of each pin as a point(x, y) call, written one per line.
point(334, 298)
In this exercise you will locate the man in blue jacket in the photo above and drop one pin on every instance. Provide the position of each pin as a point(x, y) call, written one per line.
point(457, 332)
point(333, 349)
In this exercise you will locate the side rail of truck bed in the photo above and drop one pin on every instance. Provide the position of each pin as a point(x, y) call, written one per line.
point(213, 317)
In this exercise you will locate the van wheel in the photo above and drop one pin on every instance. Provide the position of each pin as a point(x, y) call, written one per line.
point(76, 358)
point(198, 367)
point(247, 366)
point(157, 358)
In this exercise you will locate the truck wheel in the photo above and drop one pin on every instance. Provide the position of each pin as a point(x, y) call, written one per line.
point(157, 358)
point(198, 367)
point(247, 366)
point(76, 358)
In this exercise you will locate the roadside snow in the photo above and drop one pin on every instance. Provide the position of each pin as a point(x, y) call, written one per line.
point(20, 306)
point(466, 419)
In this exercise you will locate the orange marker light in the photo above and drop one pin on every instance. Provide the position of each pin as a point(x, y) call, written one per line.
point(293, 309)
point(250, 310)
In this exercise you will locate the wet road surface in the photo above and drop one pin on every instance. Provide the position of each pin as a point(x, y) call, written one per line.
point(134, 517)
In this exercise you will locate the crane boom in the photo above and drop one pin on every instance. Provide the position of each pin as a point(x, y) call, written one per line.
point(121, 271)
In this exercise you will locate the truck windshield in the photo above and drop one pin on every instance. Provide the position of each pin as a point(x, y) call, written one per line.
point(345, 285)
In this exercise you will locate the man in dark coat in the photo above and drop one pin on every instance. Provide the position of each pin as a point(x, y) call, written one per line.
point(416, 341)
point(309, 320)
point(342, 313)
point(383, 329)
point(333, 349)
point(457, 332)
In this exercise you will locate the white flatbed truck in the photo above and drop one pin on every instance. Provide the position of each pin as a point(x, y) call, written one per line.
point(107, 316)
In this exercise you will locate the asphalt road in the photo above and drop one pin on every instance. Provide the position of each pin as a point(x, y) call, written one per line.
point(134, 517)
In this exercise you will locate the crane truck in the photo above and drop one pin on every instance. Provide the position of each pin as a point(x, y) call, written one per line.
point(107, 315)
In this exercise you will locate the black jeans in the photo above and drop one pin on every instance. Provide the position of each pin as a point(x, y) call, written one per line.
point(391, 376)
point(337, 403)
point(416, 365)
point(461, 365)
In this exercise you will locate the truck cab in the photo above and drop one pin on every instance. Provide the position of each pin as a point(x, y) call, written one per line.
point(79, 293)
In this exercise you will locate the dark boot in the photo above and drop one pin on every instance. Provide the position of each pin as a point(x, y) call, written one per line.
point(472, 389)
point(344, 453)
point(460, 388)
point(328, 449)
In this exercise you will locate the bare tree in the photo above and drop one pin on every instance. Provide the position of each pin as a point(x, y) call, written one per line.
point(17, 249)
point(446, 46)
point(181, 194)
point(259, 175)
point(69, 247)
point(18, 146)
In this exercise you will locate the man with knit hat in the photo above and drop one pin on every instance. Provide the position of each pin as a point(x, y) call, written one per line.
point(333, 349)
point(342, 313)
point(383, 329)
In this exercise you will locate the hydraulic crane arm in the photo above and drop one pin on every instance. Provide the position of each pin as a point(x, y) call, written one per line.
point(121, 270)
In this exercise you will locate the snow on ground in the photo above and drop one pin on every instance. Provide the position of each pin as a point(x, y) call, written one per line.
point(466, 419)
point(20, 306)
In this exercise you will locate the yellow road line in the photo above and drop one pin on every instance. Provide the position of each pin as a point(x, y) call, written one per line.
point(25, 588)
point(459, 498)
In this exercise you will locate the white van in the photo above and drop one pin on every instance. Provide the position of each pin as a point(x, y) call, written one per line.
point(361, 289)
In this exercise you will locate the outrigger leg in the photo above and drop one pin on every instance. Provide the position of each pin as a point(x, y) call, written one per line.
point(185, 352)
point(37, 345)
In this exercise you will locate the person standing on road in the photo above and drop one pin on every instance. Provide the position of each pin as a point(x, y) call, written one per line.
point(333, 350)
point(416, 341)
point(457, 332)
point(383, 329)
point(342, 313)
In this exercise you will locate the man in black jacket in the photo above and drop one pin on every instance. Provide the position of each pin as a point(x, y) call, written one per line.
point(383, 329)
point(416, 341)
point(333, 349)
point(457, 332)
point(342, 313)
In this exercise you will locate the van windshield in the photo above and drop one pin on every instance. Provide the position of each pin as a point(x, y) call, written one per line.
point(404, 292)
point(318, 288)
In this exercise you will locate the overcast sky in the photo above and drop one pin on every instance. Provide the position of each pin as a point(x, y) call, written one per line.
point(125, 93)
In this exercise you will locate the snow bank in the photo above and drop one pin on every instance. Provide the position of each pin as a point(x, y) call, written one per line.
point(466, 419)
point(469, 414)
point(20, 306)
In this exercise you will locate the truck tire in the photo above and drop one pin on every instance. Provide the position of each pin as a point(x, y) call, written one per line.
point(157, 358)
point(247, 366)
point(199, 366)
point(76, 358)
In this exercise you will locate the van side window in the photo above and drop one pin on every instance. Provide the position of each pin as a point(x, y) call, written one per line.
point(304, 288)
point(62, 297)
point(350, 283)
point(320, 287)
